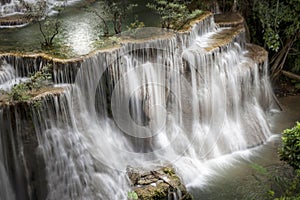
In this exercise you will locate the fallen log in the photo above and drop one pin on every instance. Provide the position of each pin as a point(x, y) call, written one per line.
point(290, 75)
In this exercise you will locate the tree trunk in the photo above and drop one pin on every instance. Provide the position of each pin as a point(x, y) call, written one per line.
point(278, 60)
point(291, 75)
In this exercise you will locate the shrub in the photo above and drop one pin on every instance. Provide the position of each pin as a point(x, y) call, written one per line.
point(21, 91)
point(290, 150)
point(174, 14)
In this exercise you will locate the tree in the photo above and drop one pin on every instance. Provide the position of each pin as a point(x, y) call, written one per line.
point(280, 22)
point(115, 11)
point(119, 11)
point(174, 14)
point(52, 26)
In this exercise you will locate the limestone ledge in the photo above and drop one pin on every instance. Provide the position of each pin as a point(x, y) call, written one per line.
point(229, 19)
point(69, 66)
point(14, 20)
point(125, 39)
point(223, 38)
point(188, 27)
point(257, 53)
point(36, 95)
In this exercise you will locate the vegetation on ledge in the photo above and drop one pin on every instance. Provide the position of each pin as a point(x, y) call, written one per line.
point(35, 85)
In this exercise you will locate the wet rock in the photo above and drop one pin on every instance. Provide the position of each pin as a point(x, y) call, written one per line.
point(229, 19)
point(157, 184)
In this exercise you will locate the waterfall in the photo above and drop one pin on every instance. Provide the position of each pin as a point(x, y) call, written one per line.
point(6, 191)
point(7, 72)
point(13, 7)
point(13, 12)
point(179, 100)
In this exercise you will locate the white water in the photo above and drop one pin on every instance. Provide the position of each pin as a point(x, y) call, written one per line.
point(6, 191)
point(7, 72)
point(150, 104)
point(8, 76)
point(14, 7)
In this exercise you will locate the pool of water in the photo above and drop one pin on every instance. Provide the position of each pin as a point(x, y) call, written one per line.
point(80, 29)
point(235, 177)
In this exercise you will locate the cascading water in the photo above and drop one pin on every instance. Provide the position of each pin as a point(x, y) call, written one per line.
point(13, 12)
point(8, 76)
point(149, 104)
point(7, 72)
point(13, 7)
point(6, 191)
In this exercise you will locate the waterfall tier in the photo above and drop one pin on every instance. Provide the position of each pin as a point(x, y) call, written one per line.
point(13, 12)
point(183, 99)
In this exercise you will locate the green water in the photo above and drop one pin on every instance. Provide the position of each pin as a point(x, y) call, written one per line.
point(80, 30)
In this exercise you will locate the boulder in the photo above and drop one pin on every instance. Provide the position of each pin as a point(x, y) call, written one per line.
point(158, 184)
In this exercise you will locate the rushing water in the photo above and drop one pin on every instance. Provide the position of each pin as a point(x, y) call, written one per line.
point(149, 104)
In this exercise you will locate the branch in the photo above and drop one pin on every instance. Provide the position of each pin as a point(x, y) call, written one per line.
point(106, 30)
point(57, 25)
point(278, 60)
point(291, 75)
point(41, 30)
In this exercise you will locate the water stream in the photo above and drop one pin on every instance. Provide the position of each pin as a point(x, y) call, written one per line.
point(80, 28)
point(149, 104)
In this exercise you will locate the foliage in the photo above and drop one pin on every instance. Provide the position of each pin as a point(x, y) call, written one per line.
point(174, 14)
point(290, 150)
point(115, 11)
point(293, 60)
point(21, 91)
point(102, 15)
point(114, 40)
point(132, 195)
point(289, 198)
point(136, 24)
point(270, 21)
point(274, 185)
point(51, 26)
point(107, 42)
point(280, 22)
point(274, 24)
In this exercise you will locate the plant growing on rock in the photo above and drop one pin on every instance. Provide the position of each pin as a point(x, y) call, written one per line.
point(136, 24)
point(21, 91)
point(132, 195)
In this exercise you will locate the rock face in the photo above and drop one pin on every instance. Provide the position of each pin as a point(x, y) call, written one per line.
point(159, 184)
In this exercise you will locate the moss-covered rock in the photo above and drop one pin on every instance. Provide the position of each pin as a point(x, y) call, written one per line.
point(159, 184)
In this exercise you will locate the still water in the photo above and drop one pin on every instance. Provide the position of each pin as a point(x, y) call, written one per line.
point(80, 29)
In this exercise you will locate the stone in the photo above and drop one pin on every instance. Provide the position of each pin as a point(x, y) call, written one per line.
point(158, 184)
